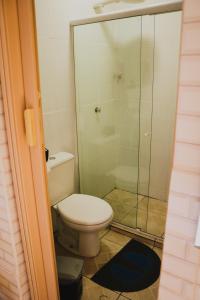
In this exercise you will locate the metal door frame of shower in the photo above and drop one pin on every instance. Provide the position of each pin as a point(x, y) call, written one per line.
point(142, 10)
point(151, 9)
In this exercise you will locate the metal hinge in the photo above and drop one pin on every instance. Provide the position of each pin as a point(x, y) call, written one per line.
point(29, 119)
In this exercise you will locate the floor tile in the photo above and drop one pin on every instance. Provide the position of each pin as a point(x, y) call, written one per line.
point(93, 291)
point(130, 219)
point(147, 242)
point(108, 250)
point(121, 202)
point(136, 218)
point(156, 224)
point(118, 210)
point(119, 195)
point(147, 294)
point(156, 205)
point(103, 232)
point(117, 238)
point(158, 251)
point(137, 211)
point(142, 219)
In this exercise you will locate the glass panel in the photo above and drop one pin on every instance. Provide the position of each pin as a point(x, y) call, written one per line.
point(146, 105)
point(126, 89)
point(167, 32)
point(107, 68)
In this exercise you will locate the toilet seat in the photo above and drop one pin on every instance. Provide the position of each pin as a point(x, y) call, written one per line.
point(85, 210)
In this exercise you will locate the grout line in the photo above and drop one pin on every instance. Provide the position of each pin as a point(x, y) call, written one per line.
point(190, 54)
point(105, 233)
point(189, 84)
point(189, 115)
point(88, 277)
point(190, 20)
point(118, 244)
point(121, 295)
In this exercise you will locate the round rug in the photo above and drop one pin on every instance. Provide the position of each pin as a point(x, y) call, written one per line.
point(134, 268)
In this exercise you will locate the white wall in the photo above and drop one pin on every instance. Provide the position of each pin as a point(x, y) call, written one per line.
point(97, 139)
point(132, 104)
point(56, 67)
point(158, 95)
point(166, 63)
point(107, 65)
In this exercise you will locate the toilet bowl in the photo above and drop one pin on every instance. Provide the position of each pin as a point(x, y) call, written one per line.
point(86, 215)
point(77, 218)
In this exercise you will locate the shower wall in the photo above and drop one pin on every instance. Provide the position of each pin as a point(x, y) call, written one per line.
point(98, 138)
point(126, 70)
point(107, 80)
point(159, 72)
point(128, 48)
point(56, 67)
point(166, 60)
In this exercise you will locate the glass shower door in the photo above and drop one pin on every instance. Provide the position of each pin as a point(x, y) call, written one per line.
point(108, 91)
point(126, 84)
point(166, 33)
point(146, 110)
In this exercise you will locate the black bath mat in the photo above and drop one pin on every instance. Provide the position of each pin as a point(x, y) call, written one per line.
point(134, 268)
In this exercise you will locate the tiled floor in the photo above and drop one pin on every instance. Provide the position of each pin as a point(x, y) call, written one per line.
point(111, 243)
point(138, 211)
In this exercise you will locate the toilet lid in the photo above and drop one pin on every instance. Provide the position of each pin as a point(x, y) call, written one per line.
point(85, 210)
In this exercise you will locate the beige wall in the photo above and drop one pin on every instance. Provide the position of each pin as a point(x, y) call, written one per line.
point(180, 278)
point(56, 66)
point(13, 277)
point(109, 140)
point(59, 104)
point(166, 66)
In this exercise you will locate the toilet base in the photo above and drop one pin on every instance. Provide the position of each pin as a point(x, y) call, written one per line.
point(89, 244)
point(86, 244)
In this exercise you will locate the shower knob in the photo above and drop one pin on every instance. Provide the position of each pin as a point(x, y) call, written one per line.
point(97, 109)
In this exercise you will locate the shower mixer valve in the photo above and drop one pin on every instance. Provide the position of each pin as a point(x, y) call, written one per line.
point(97, 109)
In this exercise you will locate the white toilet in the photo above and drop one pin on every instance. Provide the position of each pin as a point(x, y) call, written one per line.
point(80, 217)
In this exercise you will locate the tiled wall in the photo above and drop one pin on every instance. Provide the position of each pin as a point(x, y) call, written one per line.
point(55, 74)
point(180, 277)
point(13, 277)
point(112, 136)
point(158, 102)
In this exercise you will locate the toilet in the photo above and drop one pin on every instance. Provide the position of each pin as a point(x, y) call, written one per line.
point(79, 217)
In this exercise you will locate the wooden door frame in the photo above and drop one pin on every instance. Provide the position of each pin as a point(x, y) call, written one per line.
point(21, 90)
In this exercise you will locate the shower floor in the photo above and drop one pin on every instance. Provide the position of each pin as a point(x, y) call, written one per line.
point(138, 211)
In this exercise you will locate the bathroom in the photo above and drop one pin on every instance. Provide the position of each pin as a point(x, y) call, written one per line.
point(109, 86)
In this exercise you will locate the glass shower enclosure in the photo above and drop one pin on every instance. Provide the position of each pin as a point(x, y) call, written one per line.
point(126, 74)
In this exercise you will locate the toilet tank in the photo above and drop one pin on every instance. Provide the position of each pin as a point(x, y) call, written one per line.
point(60, 170)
